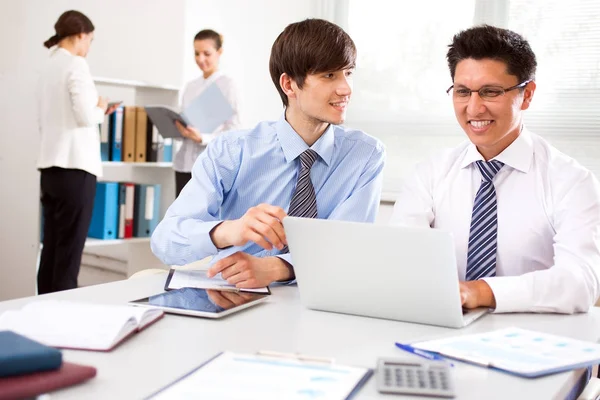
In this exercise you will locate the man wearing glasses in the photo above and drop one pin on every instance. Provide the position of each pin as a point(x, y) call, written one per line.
point(524, 216)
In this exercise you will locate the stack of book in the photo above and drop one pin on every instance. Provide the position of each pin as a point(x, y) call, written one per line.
point(29, 368)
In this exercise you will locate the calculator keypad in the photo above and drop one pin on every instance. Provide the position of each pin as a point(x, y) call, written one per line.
point(422, 377)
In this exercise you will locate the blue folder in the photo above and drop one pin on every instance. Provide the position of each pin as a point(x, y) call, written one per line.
point(105, 217)
point(209, 110)
point(20, 355)
point(115, 134)
point(147, 208)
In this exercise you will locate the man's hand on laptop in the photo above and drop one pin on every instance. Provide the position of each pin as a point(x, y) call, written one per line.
point(475, 294)
point(261, 225)
point(249, 272)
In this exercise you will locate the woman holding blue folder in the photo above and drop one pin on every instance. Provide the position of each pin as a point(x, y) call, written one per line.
point(208, 47)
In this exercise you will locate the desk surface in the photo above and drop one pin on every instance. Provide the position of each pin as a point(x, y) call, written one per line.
point(176, 344)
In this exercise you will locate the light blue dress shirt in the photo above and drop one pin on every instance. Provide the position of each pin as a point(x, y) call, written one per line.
point(243, 169)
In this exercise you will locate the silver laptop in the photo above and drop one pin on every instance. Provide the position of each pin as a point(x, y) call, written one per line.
point(382, 271)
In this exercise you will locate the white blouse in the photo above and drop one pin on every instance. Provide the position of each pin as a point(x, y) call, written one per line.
point(68, 115)
point(189, 151)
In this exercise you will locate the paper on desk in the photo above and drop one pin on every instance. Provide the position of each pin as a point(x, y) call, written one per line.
point(198, 279)
point(519, 351)
point(265, 378)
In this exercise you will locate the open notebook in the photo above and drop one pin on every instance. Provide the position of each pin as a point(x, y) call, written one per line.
point(72, 325)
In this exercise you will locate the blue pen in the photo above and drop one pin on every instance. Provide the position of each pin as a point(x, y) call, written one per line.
point(422, 353)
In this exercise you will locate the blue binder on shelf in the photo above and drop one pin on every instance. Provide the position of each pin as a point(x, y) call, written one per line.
point(115, 133)
point(105, 217)
point(147, 206)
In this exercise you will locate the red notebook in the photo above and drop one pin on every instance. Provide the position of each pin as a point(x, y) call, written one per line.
point(29, 385)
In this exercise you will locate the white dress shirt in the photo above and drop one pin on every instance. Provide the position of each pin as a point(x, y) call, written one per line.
point(189, 151)
point(548, 243)
point(68, 115)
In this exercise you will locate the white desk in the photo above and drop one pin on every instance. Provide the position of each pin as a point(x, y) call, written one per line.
point(177, 344)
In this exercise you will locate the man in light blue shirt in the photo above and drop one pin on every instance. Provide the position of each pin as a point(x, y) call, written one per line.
point(242, 184)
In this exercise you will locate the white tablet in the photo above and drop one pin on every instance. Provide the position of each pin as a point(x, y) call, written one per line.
point(208, 303)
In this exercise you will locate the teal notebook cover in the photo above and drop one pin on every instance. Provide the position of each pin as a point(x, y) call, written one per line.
point(20, 355)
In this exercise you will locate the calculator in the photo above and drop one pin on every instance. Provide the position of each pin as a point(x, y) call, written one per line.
point(407, 376)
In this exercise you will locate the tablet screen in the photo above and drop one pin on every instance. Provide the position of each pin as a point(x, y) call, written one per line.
point(200, 300)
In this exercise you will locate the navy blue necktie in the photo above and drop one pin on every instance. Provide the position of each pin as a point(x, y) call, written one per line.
point(481, 259)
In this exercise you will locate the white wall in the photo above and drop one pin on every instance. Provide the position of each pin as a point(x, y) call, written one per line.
point(128, 44)
point(145, 40)
point(249, 29)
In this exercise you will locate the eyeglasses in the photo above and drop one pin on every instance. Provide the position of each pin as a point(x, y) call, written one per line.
point(487, 93)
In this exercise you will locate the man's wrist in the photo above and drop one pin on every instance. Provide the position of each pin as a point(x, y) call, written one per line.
point(218, 235)
point(485, 294)
point(285, 271)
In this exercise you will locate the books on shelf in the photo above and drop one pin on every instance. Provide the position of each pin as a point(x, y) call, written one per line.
point(128, 135)
point(73, 325)
point(125, 210)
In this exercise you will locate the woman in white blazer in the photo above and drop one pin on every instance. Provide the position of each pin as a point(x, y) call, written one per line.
point(69, 161)
point(208, 47)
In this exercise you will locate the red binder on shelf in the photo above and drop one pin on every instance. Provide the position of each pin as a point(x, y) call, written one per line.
point(129, 208)
point(30, 385)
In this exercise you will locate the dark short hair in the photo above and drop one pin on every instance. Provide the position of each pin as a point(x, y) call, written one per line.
point(210, 34)
point(70, 23)
point(308, 47)
point(485, 41)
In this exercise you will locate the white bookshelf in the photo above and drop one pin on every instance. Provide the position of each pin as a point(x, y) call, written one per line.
point(136, 84)
point(109, 164)
point(91, 242)
point(135, 252)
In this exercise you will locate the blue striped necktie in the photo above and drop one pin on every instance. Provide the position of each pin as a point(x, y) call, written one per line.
point(481, 259)
point(304, 199)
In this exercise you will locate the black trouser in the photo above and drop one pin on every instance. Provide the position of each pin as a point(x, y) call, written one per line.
point(68, 200)
point(181, 179)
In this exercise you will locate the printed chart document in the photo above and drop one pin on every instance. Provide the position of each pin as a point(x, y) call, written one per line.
point(266, 378)
point(518, 351)
point(209, 110)
point(72, 325)
point(179, 279)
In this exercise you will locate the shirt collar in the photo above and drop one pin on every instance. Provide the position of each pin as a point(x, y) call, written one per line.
point(518, 155)
point(215, 75)
point(293, 145)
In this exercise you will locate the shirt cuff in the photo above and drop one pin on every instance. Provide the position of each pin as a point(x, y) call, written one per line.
point(200, 241)
point(98, 115)
point(287, 257)
point(512, 293)
point(207, 138)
